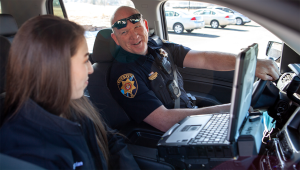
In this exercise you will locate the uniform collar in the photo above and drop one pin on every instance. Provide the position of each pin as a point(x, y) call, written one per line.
point(126, 57)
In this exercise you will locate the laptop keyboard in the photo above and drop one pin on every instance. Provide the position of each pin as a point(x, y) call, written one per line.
point(214, 132)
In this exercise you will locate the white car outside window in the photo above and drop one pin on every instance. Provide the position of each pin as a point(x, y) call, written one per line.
point(216, 18)
point(180, 21)
point(240, 18)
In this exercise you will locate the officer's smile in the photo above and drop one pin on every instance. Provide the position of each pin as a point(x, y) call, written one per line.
point(137, 43)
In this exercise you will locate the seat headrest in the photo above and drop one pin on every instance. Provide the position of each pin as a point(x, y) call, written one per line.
point(8, 25)
point(4, 50)
point(105, 47)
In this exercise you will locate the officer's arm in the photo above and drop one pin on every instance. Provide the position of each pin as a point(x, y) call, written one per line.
point(163, 118)
point(209, 60)
point(219, 61)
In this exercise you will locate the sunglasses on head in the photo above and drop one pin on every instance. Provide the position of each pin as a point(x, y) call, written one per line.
point(123, 22)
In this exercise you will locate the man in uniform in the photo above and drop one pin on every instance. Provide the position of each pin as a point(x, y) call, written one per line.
point(144, 78)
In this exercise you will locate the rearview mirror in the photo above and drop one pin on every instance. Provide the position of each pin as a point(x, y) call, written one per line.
point(274, 50)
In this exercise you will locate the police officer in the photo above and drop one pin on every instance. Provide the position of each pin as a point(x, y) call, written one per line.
point(144, 78)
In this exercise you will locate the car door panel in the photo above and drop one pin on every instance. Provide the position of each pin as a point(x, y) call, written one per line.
point(215, 83)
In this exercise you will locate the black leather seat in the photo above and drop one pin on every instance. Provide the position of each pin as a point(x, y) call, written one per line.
point(4, 50)
point(104, 50)
point(8, 26)
point(8, 29)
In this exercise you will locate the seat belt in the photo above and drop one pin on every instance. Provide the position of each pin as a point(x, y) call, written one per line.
point(159, 42)
point(177, 101)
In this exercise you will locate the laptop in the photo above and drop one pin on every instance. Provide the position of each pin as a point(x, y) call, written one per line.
point(217, 129)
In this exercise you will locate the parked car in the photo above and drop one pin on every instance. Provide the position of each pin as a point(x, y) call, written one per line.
point(216, 18)
point(181, 20)
point(240, 18)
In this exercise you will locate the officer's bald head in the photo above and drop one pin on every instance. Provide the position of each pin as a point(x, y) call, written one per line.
point(123, 12)
point(132, 37)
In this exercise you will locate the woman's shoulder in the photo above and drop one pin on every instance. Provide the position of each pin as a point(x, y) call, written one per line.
point(33, 128)
point(34, 117)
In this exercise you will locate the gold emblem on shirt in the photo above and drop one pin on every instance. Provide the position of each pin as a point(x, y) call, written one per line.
point(127, 85)
point(152, 75)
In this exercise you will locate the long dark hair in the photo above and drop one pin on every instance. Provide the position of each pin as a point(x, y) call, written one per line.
point(39, 67)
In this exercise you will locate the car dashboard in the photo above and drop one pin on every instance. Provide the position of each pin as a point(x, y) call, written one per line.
point(283, 150)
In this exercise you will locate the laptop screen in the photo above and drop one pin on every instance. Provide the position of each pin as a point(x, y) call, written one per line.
point(242, 89)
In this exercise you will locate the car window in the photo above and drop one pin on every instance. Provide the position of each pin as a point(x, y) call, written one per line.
point(0, 8)
point(176, 14)
point(198, 12)
point(229, 38)
point(206, 12)
point(57, 10)
point(169, 13)
point(93, 15)
point(228, 10)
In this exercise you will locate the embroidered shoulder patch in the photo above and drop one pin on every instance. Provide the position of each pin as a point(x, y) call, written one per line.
point(127, 85)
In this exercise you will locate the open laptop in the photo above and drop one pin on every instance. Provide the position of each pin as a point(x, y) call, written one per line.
point(218, 129)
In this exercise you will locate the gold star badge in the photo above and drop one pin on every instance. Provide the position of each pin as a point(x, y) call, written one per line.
point(128, 86)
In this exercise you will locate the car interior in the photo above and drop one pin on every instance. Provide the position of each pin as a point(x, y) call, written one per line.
point(280, 98)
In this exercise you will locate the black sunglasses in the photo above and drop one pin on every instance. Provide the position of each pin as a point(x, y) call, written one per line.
point(123, 22)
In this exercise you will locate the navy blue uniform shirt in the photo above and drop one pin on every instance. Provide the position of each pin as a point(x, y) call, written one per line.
point(129, 80)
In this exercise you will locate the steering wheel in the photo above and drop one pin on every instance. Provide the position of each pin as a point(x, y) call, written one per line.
point(258, 88)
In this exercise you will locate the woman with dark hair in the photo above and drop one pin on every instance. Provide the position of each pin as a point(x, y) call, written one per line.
point(48, 120)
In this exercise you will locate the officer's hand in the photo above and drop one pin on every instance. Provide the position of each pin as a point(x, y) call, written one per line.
point(250, 109)
point(267, 70)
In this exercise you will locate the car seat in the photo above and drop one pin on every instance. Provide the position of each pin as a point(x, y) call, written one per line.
point(4, 50)
point(8, 29)
point(8, 26)
point(104, 50)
